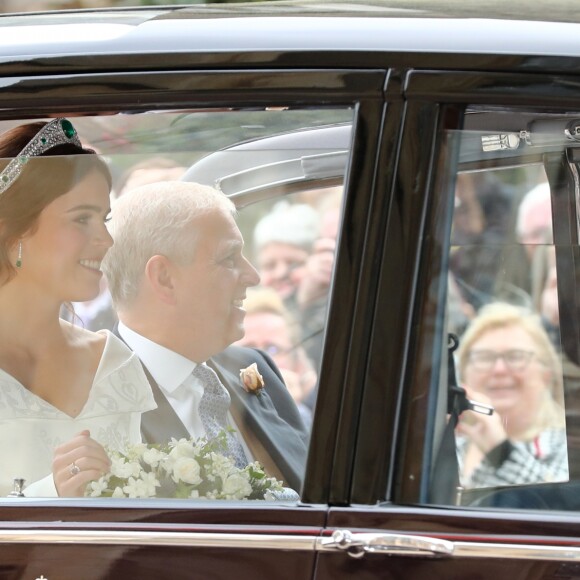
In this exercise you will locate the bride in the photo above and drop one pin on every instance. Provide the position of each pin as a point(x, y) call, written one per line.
point(65, 392)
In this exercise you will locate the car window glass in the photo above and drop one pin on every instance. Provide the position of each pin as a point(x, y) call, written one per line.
point(283, 170)
point(510, 366)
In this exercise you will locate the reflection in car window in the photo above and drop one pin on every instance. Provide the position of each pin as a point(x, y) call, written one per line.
point(294, 247)
point(230, 387)
point(509, 278)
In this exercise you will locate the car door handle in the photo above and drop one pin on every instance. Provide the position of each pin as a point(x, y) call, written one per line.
point(359, 544)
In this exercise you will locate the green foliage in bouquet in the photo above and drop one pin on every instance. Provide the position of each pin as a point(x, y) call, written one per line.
point(185, 468)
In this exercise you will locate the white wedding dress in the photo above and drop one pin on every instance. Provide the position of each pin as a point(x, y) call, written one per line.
point(31, 428)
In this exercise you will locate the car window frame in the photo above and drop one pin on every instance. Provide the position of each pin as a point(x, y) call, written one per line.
point(138, 91)
point(435, 101)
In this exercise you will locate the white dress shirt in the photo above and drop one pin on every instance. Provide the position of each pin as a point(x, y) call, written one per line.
point(173, 373)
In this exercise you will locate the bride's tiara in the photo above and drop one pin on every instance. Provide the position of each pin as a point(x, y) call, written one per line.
point(58, 132)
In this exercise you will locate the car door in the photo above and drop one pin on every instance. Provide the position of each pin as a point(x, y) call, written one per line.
point(473, 147)
point(132, 115)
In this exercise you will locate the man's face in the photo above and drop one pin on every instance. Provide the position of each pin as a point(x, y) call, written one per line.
point(282, 267)
point(210, 290)
point(535, 223)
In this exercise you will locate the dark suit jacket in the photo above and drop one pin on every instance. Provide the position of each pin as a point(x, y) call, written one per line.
point(269, 423)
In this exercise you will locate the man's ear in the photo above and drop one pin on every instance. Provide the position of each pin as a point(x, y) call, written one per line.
point(159, 272)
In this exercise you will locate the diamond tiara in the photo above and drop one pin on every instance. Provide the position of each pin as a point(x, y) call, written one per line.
point(58, 132)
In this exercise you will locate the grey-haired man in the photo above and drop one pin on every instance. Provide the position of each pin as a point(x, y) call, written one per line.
point(178, 278)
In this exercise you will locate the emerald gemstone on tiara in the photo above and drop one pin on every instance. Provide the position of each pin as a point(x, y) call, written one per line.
point(58, 132)
point(67, 128)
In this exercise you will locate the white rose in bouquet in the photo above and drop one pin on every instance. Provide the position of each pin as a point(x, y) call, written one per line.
point(237, 486)
point(186, 469)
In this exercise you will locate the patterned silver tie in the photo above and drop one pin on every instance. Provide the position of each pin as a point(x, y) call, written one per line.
point(213, 410)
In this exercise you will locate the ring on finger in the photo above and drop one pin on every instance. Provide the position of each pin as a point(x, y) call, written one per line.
point(74, 469)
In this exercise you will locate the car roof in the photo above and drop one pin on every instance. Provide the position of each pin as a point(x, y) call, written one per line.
point(259, 168)
point(408, 26)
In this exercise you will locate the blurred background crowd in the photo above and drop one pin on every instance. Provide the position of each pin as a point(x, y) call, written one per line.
point(504, 306)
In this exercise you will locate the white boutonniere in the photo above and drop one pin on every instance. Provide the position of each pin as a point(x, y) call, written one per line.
point(252, 380)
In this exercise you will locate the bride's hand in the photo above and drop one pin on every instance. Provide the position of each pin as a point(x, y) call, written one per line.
point(76, 463)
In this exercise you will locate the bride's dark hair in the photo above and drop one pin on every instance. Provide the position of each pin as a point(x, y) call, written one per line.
point(43, 179)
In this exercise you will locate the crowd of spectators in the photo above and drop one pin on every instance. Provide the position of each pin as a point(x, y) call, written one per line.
point(294, 251)
point(503, 305)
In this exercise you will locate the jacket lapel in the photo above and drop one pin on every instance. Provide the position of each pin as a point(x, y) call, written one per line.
point(272, 441)
point(278, 448)
point(161, 424)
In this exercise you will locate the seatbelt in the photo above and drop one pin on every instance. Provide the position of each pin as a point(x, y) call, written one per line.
point(444, 488)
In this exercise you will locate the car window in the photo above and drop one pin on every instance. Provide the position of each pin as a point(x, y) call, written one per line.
point(506, 382)
point(283, 171)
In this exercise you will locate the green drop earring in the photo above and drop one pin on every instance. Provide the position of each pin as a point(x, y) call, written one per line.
point(19, 259)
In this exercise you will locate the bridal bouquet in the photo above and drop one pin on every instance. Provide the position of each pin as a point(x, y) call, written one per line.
point(185, 468)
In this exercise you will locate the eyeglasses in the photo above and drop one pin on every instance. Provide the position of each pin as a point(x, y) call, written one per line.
point(515, 359)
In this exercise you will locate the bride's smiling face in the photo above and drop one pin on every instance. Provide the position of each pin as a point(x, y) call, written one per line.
point(63, 254)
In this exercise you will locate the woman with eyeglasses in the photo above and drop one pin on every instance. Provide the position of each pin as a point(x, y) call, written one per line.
point(507, 360)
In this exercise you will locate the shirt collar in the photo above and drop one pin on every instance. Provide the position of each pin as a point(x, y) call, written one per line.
point(168, 368)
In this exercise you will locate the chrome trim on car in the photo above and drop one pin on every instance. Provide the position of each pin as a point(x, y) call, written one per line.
point(357, 545)
point(515, 551)
point(405, 545)
point(157, 538)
